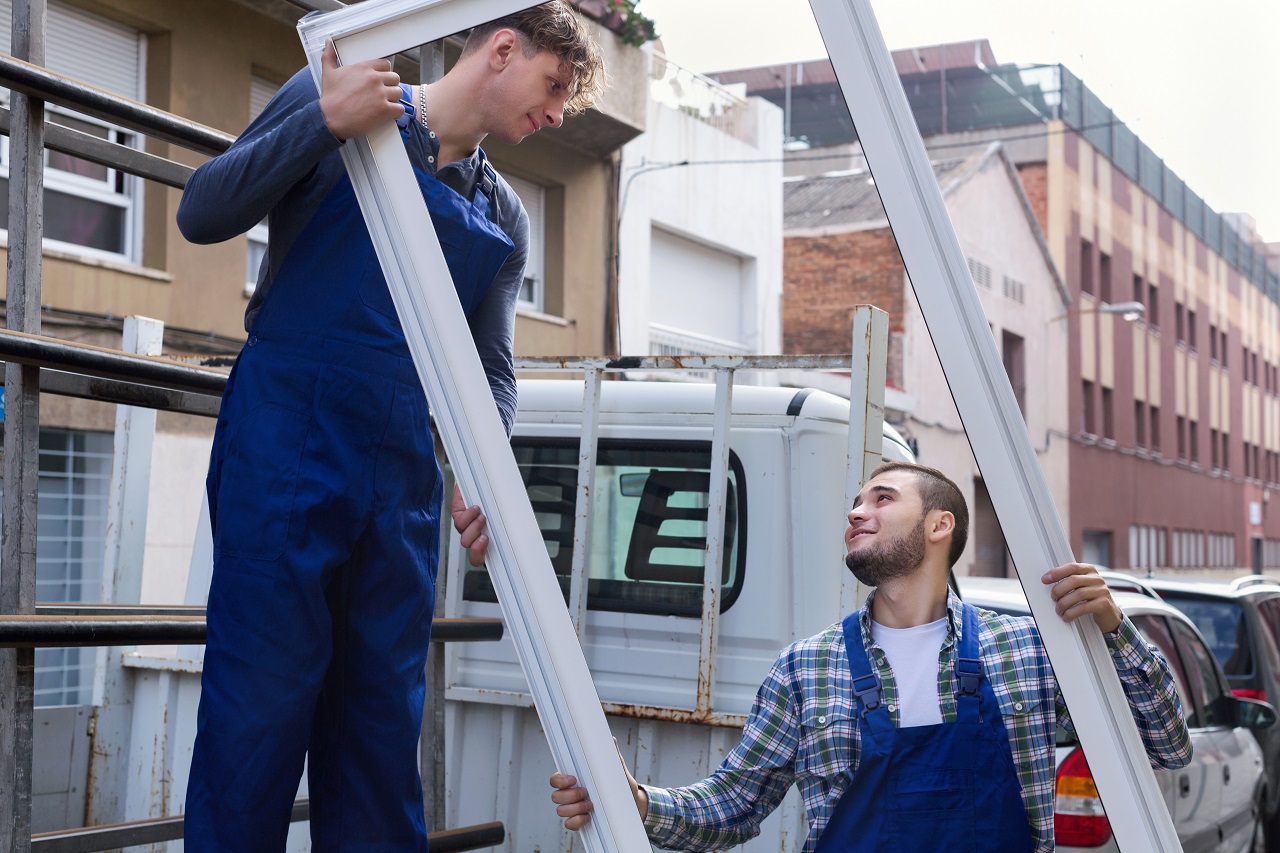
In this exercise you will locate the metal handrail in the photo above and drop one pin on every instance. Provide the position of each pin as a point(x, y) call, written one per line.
point(46, 352)
point(159, 830)
point(73, 94)
point(43, 631)
point(613, 364)
point(113, 155)
point(158, 382)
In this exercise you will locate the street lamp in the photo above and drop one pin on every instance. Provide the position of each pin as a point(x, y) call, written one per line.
point(1128, 311)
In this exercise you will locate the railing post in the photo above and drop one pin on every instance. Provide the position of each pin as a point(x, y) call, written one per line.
point(717, 504)
point(431, 755)
point(584, 501)
point(21, 436)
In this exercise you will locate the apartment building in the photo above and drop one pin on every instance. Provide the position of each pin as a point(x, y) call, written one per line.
point(1173, 419)
point(112, 249)
point(839, 251)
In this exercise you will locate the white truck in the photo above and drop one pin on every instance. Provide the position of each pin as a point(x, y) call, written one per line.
point(644, 635)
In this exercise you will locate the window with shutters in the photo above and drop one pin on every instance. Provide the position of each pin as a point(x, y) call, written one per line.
point(89, 209)
point(260, 94)
point(533, 290)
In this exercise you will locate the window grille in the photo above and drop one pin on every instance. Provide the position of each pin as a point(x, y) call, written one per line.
point(75, 481)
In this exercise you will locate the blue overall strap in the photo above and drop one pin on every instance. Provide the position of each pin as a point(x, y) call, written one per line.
point(866, 684)
point(969, 669)
point(410, 111)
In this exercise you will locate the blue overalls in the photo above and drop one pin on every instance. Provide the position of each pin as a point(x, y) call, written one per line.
point(325, 498)
point(922, 789)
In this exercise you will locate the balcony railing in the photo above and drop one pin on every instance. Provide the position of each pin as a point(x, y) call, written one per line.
point(700, 97)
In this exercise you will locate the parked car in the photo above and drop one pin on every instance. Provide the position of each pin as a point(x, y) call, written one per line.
point(1216, 800)
point(1240, 620)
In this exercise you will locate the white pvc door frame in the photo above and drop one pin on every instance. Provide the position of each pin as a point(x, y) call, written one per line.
point(465, 415)
point(997, 433)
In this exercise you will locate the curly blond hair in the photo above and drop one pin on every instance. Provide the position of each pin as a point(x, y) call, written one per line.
point(555, 28)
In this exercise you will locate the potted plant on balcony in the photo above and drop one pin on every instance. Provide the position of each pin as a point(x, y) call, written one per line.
point(631, 25)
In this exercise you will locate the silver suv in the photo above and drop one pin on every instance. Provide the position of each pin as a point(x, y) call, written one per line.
point(1216, 800)
point(1240, 620)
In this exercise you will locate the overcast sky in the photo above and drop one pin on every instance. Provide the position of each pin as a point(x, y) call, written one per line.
point(1198, 82)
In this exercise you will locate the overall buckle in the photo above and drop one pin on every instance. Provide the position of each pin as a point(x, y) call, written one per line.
point(867, 689)
point(970, 672)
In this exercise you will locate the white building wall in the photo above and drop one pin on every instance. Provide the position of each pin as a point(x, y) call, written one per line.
point(993, 228)
point(732, 210)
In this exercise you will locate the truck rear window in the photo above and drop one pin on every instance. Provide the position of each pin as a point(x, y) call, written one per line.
point(649, 523)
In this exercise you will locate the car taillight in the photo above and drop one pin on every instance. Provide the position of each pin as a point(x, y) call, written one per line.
point(1246, 693)
point(1078, 818)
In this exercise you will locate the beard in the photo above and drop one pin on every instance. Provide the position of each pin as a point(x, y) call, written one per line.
point(889, 560)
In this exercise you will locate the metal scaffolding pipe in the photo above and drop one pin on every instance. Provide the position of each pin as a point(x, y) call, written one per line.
point(21, 435)
point(685, 362)
point(128, 393)
point(160, 830)
point(46, 630)
point(32, 632)
point(42, 351)
point(110, 154)
point(39, 82)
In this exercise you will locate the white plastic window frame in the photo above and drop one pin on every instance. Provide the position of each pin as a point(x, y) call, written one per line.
point(90, 189)
point(997, 433)
point(465, 415)
point(257, 240)
point(534, 198)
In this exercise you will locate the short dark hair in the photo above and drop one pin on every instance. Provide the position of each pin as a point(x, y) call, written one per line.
point(937, 491)
point(557, 29)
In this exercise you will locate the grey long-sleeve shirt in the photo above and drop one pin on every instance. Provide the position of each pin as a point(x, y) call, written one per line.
point(287, 161)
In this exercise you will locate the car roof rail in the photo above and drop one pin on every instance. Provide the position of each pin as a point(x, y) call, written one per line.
point(1253, 580)
point(1128, 583)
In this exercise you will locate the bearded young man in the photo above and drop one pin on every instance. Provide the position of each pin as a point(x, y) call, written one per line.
point(919, 723)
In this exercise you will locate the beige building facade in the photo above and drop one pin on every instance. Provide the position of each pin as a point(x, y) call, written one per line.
point(1173, 421)
point(112, 249)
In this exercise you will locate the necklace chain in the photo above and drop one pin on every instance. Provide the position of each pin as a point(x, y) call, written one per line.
point(422, 104)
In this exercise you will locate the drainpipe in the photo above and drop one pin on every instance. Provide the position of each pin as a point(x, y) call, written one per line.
point(612, 318)
point(786, 110)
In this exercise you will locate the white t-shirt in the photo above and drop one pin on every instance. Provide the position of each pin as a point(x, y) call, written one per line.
point(913, 657)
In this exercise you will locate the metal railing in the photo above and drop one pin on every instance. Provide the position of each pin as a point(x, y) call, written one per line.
point(865, 367)
point(700, 97)
point(35, 363)
point(138, 832)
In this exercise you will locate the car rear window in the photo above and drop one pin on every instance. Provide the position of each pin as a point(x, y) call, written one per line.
point(1223, 625)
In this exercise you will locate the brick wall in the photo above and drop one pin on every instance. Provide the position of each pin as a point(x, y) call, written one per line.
point(1035, 181)
point(825, 277)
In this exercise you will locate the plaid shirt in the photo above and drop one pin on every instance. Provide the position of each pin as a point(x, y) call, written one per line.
point(802, 728)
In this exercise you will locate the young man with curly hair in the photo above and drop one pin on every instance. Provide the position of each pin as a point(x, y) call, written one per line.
point(324, 491)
